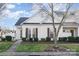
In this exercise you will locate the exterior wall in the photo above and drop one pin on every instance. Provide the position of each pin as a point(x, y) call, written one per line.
point(18, 33)
point(42, 29)
point(23, 31)
point(78, 30)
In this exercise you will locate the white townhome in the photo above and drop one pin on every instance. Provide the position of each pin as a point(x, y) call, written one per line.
point(40, 25)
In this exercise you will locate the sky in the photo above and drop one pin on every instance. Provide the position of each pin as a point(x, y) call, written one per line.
point(14, 11)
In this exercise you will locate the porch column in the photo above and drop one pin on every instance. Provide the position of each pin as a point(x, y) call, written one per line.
point(23, 32)
point(78, 31)
point(18, 33)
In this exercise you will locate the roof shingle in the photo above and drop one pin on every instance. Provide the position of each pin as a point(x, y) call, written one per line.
point(21, 20)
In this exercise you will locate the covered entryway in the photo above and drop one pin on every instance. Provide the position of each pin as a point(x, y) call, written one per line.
point(72, 30)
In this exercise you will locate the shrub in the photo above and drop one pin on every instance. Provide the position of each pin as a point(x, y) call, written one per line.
point(71, 39)
point(36, 39)
point(43, 39)
point(8, 38)
point(63, 39)
point(48, 39)
point(3, 39)
point(31, 39)
point(76, 39)
point(24, 39)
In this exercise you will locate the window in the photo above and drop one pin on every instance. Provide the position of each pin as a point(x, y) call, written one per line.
point(49, 33)
point(26, 32)
point(63, 30)
point(21, 33)
point(29, 33)
point(35, 32)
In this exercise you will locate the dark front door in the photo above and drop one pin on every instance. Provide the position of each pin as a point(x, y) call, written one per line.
point(72, 32)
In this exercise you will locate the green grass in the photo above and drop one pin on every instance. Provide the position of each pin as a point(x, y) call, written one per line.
point(72, 47)
point(37, 47)
point(31, 47)
point(5, 45)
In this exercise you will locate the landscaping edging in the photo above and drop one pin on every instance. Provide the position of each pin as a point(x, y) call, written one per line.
point(39, 54)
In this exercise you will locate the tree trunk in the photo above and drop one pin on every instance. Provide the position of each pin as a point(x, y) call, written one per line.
point(55, 38)
point(55, 41)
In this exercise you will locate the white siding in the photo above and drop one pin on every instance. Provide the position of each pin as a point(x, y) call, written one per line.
point(18, 33)
point(78, 31)
point(42, 29)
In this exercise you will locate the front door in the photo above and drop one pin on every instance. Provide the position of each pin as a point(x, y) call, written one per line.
point(72, 32)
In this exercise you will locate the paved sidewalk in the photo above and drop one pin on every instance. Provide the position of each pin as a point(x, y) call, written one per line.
point(13, 47)
point(39, 54)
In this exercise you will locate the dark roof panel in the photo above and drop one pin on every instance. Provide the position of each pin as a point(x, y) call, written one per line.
point(21, 20)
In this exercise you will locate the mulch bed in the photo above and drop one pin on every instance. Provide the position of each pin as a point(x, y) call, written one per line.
point(56, 49)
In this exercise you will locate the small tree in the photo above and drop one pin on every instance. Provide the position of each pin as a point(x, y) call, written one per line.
point(49, 9)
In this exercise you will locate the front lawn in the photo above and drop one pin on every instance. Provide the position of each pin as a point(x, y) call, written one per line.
point(31, 47)
point(5, 45)
point(37, 47)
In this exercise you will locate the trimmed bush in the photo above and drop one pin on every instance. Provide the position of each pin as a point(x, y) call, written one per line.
point(8, 38)
point(23, 39)
point(71, 39)
point(77, 39)
point(43, 40)
point(35, 39)
point(3, 39)
point(48, 39)
point(31, 39)
point(63, 39)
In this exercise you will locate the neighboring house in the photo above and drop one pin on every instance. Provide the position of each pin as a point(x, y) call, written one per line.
point(7, 32)
point(40, 25)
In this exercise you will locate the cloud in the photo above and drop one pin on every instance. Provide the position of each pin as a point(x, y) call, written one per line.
point(60, 7)
point(16, 14)
point(10, 6)
point(57, 7)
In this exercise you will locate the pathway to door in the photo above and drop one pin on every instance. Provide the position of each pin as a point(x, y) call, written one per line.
point(13, 47)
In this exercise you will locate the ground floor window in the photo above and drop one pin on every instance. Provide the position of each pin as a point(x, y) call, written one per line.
point(35, 32)
point(21, 33)
point(49, 33)
point(26, 32)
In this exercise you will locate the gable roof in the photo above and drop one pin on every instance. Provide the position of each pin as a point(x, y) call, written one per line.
point(41, 16)
point(21, 19)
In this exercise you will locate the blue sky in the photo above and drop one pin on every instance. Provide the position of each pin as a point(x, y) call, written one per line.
point(14, 12)
point(17, 10)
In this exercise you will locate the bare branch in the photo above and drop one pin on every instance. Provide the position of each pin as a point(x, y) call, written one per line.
point(63, 18)
point(2, 6)
point(53, 18)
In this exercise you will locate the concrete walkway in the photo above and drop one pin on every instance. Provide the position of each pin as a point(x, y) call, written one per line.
point(13, 47)
point(39, 54)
